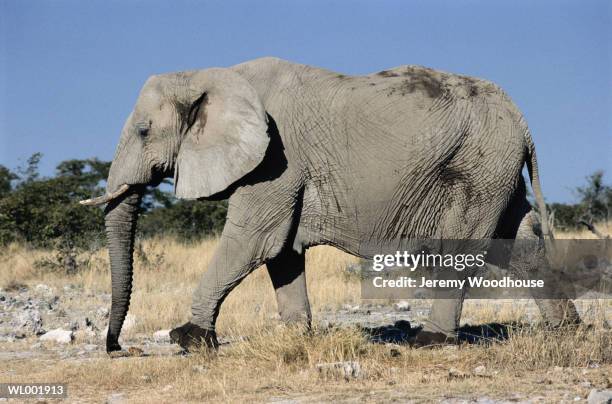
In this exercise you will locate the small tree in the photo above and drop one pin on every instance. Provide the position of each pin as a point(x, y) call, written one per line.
point(30, 173)
point(595, 204)
point(596, 198)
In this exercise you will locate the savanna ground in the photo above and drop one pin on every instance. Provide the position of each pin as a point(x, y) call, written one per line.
point(263, 361)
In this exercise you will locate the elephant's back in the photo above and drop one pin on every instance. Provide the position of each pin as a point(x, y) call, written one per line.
point(449, 150)
point(407, 79)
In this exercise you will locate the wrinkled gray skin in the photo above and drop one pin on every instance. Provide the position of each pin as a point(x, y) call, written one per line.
point(308, 157)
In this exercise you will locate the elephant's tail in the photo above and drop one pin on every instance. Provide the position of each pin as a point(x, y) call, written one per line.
point(534, 176)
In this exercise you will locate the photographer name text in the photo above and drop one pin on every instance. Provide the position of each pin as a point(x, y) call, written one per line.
point(472, 282)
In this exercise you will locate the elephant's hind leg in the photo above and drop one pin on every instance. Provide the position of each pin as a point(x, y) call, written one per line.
point(555, 312)
point(289, 280)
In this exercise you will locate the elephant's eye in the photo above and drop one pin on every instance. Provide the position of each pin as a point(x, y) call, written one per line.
point(143, 129)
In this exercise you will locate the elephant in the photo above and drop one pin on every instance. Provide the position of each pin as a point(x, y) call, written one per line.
point(309, 157)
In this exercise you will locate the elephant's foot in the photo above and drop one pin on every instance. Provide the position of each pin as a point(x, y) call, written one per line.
point(112, 346)
point(431, 339)
point(192, 337)
point(559, 313)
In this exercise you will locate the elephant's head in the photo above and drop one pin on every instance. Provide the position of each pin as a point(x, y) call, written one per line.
point(207, 128)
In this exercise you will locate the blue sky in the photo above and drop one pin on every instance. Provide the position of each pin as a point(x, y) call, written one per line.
point(70, 71)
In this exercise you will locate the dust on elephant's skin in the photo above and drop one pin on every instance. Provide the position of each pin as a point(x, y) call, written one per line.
point(307, 157)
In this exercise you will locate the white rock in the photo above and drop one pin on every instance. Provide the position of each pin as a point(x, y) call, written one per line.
point(402, 305)
point(116, 398)
point(69, 287)
point(43, 289)
point(479, 370)
point(456, 373)
point(58, 335)
point(600, 397)
point(162, 336)
point(30, 321)
point(348, 370)
point(350, 307)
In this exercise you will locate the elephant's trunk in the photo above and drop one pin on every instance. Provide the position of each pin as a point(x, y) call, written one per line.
point(120, 220)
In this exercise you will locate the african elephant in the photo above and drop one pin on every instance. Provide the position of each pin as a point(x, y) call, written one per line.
point(308, 157)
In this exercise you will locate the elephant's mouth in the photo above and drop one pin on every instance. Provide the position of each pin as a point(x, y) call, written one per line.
point(105, 198)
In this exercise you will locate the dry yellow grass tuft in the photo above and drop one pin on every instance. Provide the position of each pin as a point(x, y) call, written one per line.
point(583, 233)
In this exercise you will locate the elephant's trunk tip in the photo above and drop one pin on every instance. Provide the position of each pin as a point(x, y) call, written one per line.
point(105, 198)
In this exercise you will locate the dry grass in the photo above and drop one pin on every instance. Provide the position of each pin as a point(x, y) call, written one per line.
point(583, 233)
point(284, 364)
point(162, 293)
point(281, 362)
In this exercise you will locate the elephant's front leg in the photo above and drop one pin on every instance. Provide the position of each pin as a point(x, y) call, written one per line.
point(236, 256)
point(231, 262)
point(253, 235)
point(289, 281)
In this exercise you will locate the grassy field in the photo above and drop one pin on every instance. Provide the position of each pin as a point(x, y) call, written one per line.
point(270, 362)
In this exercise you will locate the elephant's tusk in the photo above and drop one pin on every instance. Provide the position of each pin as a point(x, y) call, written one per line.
point(105, 198)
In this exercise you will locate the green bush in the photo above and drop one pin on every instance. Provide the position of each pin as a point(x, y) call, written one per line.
point(185, 220)
point(567, 216)
point(41, 211)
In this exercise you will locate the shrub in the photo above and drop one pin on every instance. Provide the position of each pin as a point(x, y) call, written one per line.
point(185, 220)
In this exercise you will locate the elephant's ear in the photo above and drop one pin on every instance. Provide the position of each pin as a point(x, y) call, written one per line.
point(225, 134)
